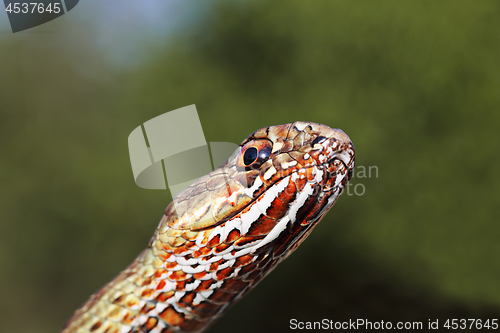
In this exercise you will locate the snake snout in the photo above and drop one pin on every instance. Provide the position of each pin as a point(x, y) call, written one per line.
point(339, 134)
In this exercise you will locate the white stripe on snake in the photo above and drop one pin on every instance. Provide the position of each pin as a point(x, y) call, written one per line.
point(224, 233)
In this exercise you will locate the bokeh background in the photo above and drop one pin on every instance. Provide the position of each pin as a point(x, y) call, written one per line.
point(416, 85)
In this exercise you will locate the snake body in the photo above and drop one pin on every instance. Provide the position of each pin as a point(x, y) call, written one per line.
point(224, 233)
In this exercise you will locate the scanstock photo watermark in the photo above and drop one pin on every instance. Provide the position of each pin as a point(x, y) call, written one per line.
point(365, 324)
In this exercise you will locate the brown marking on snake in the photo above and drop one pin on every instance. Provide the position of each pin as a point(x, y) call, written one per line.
point(205, 285)
point(224, 273)
point(187, 299)
point(222, 247)
point(151, 323)
point(199, 275)
point(243, 260)
point(277, 209)
point(214, 266)
point(262, 226)
point(161, 285)
point(162, 297)
point(214, 242)
point(172, 317)
point(177, 275)
point(232, 236)
point(170, 265)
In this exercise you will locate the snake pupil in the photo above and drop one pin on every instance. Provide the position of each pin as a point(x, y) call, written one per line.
point(250, 156)
point(319, 139)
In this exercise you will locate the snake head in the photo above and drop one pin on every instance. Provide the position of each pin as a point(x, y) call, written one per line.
point(278, 175)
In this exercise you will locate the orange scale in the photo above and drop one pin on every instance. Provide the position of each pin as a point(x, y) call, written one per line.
point(147, 308)
point(180, 285)
point(205, 251)
point(232, 236)
point(151, 323)
point(167, 247)
point(222, 247)
point(214, 266)
point(161, 285)
point(164, 255)
point(207, 258)
point(214, 241)
point(160, 272)
point(190, 245)
point(147, 281)
point(187, 299)
point(224, 273)
point(261, 227)
point(180, 250)
point(178, 275)
point(277, 209)
point(128, 318)
point(243, 260)
point(147, 292)
point(199, 275)
point(229, 199)
point(162, 297)
point(205, 285)
point(172, 317)
point(170, 265)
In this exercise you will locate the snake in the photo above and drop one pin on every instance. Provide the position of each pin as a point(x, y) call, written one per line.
point(225, 232)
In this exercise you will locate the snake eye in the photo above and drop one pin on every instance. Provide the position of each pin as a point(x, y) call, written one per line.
point(254, 153)
point(319, 139)
point(250, 156)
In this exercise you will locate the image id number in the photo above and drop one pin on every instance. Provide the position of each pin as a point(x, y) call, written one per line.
point(33, 7)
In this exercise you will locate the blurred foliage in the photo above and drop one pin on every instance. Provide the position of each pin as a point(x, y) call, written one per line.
point(414, 84)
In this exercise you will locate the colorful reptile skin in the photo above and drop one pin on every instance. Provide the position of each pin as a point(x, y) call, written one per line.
point(225, 232)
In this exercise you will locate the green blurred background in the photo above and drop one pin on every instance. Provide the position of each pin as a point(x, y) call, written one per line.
point(416, 85)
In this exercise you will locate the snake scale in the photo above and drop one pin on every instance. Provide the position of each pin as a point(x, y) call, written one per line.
point(220, 236)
